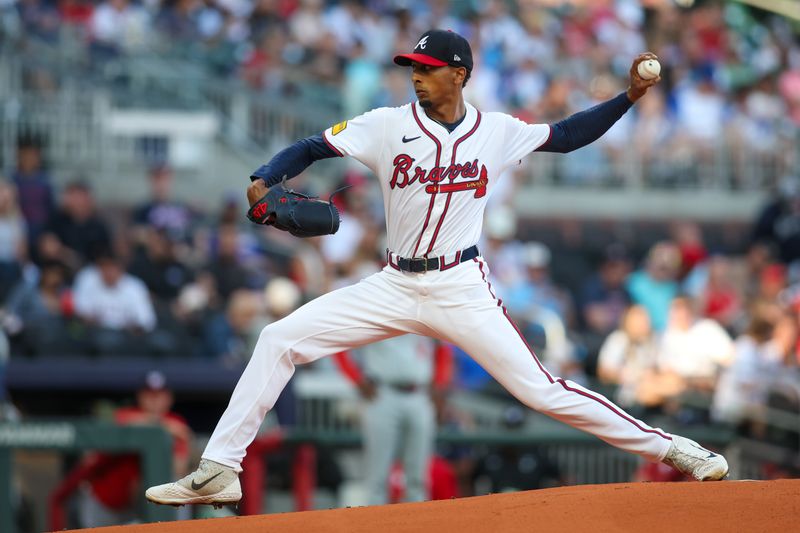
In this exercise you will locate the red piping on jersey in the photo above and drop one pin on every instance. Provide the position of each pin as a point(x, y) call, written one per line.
point(560, 381)
point(438, 161)
point(452, 178)
point(332, 147)
point(389, 260)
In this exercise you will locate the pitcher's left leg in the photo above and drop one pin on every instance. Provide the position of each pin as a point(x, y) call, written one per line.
point(482, 328)
point(467, 313)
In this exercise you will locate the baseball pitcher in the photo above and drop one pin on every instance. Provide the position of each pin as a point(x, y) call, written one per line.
point(437, 161)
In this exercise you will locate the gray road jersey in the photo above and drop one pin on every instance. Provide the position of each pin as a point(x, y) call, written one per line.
point(401, 360)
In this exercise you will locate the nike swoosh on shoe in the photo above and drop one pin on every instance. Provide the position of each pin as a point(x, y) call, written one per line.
point(198, 486)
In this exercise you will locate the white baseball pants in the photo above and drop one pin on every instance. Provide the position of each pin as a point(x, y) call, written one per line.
point(457, 306)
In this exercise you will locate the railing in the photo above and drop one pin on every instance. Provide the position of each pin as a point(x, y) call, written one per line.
point(71, 113)
point(152, 443)
point(723, 167)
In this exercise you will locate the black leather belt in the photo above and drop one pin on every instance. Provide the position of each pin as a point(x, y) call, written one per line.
point(424, 264)
point(405, 387)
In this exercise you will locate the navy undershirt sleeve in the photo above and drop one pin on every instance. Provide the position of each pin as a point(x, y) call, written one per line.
point(294, 159)
point(586, 126)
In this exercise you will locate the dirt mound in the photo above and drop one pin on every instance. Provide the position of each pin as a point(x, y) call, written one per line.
point(651, 507)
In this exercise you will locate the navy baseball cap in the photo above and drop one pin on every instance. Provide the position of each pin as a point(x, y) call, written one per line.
point(438, 48)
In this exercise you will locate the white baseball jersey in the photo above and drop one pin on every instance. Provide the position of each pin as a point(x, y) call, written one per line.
point(435, 183)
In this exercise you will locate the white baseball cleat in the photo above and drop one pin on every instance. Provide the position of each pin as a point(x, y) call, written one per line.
point(690, 458)
point(212, 484)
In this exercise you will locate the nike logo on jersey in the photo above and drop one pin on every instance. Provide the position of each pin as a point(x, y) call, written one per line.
point(198, 486)
point(411, 138)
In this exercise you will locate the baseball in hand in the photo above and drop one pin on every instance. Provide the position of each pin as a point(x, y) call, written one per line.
point(649, 69)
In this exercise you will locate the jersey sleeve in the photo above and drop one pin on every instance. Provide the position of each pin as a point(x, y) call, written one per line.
point(521, 139)
point(361, 137)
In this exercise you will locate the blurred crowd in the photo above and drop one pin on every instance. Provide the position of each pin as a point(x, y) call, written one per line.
point(730, 99)
point(157, 278)
point(662, 321)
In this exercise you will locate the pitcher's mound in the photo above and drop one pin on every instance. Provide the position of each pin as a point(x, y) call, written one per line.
point(648, 507)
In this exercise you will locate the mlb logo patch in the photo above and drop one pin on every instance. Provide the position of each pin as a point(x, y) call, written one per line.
point(337, 128)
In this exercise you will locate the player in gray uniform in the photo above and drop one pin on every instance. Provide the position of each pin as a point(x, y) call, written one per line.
point(399, 375)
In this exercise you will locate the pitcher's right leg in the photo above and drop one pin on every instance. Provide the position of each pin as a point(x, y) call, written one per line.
point(378, 307)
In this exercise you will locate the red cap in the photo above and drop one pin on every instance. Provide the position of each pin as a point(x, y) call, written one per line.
point(419, 58)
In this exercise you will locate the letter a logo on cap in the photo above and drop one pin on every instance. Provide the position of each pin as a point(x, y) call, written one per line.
point(422, 43)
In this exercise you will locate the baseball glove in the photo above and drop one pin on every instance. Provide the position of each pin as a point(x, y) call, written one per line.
point(300, 215)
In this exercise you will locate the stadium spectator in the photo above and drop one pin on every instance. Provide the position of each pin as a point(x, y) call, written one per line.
point(161, 211)
point(654, 127)
point(13, 238)
point(759, 352)
point(627, 356)
point(603, 297)
point(77, 13)
point(656, 285)
point(362, 82)
point(701, 111)
point(37, 310)
point(536, 290)
point(158, 267)
point(501, 248)
point(112, 495)
point(232, 335)
point(118, 26)
point(778, 223)
point(746, 270)
point(717, 296)
point(542, 310)
point(8, 412)
point(772, 284)
point(191, 312)
point(115, 305)
point(226, 266)
point(34, 188)
point(783, 392)
point(688, 237)
point(305, 23)
point(696, 350)
point(352, 202)
point(77, 226)
point(178, 18)
point(308, 268)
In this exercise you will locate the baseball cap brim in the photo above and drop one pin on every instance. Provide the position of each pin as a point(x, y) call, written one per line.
point(404, 60)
